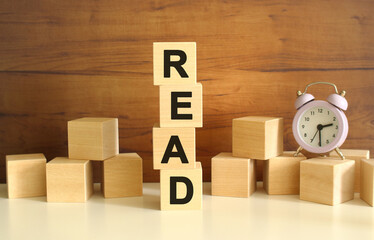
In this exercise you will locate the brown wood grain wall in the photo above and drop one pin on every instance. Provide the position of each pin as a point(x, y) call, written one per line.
point(61, 60)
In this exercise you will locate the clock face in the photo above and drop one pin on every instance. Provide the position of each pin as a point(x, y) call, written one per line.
point(318, 126)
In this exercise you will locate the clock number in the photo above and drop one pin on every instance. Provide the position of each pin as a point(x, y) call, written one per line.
point(328, 112)
point(305, 135)
point(303, 126)
point(307, 119)
point(320, 110)
point(334, 119)
point(327, 141)
point(333, 135)
point(312, 113)
point(336, 127)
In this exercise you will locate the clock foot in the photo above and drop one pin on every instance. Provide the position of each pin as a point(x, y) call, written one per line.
point(298, 151)
point(337, 150)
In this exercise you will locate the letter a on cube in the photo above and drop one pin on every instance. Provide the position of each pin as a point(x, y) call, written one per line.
point(174, 63)
point(173, 148)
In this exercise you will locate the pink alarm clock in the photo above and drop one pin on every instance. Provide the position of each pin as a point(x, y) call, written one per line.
point(320, 126)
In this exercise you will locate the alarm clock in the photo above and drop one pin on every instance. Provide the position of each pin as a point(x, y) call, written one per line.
point(320, 126)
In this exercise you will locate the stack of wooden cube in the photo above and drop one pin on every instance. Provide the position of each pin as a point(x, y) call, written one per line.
point(257, 142)
point(255, 139)
point(326, 180)
point(70, 179)
point(174, 140)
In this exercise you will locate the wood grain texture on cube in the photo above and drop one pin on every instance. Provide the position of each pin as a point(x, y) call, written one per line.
point(367, 181)
point(26, 175)
point(233, 176)
point(326, 180)
point(123, 176)
point(195, 109)
point(69, 180)
point(161, 138)
point(257, 137)
point(357, 155)
point(93, 138)
point(175, 78)
point(282, 174)
point(194, 175)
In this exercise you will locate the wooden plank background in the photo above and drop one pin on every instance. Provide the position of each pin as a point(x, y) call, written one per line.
point(61, 60)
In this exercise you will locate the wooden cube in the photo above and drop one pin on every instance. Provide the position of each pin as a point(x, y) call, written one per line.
point(123, 176)
point(257, 138)
point(282, 174)
point(174, 63)
point(93, 138)
point(357, 156)
point(233, 176)
point(173, 148)
point(181, 188)
point(327, 181)
point(26, 175)
point(367, 181)
point(181, 106)
point(69, 180)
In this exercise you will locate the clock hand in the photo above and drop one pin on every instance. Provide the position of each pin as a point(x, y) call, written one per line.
point(314, 136)
point(320, 138)
point(319, 127)
point(327, 125)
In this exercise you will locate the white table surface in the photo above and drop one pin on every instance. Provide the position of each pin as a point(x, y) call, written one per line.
point(258, 217)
